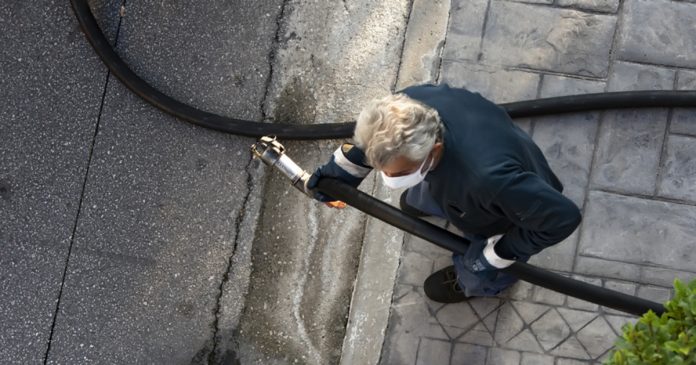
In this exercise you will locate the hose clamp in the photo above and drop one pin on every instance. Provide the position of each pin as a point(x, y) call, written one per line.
point(272, 153)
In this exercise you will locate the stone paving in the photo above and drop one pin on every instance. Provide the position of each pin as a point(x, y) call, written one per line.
point(633, 173)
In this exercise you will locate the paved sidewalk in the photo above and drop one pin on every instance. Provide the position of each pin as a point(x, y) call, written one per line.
point(633, 173)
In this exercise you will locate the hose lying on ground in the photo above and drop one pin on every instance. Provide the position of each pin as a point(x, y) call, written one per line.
point(374, 207)
point(528, 108)
point(450, 241)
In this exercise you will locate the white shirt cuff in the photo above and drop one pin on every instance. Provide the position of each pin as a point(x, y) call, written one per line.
point(492, 257)
point(346, 164)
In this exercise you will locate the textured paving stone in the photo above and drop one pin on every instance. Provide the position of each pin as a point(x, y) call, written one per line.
point(548, 38)
point(530, 358)
point(435, 352)
point(631, 140)
point(456, 318)
point(628, 150)
point(686, 80)
point(597, 337)
point(524, 341)
point(509, 324)
point(503, 357)
point(571, 347)
point(638, 231)
point(411, 314)
point(662, 276)
point(409, 320)
point(544, 295)
point(535, 325)
point(596, 5)
point(550, 329)
point(646, 37)
point(617, 322)
point(628, 76)
point(553, 85)
point(479, 334)
point(469, 354)
point(604, 268)
point(568, 140)
point(654, 293)
point(522, 290)
point(484, 306)
point(416, 268)
point(498, 85)
point(678, 179)
point(576, 319)
point(399, 348)
point(623, 287)
point(568, 143)
point(683, 121)
point(465, 29)
point(570, 362)
point(530, 312)
point(534, 1)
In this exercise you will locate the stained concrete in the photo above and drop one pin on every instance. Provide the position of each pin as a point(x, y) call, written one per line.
point(332, 58)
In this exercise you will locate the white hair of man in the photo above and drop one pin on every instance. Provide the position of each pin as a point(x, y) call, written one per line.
point(396, 125)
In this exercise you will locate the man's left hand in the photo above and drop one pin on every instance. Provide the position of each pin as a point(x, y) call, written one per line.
point(482, 260)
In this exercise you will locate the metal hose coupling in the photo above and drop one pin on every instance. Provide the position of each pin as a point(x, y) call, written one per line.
point(272, 153)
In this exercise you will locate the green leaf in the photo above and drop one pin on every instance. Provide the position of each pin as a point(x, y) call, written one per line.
point(668, 339)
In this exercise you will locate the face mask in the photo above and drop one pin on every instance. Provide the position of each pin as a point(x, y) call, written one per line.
point(406, 181)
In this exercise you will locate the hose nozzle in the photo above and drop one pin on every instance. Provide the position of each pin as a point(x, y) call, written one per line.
point(272, 153)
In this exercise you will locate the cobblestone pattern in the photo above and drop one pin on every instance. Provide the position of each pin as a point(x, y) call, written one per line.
point(632, 172)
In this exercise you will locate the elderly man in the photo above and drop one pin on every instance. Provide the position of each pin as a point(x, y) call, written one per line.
point(461, 158)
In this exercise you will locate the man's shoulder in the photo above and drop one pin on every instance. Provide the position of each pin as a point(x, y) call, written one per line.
point(429, 89)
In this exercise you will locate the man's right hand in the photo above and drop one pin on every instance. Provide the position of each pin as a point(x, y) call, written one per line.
point(346, 164)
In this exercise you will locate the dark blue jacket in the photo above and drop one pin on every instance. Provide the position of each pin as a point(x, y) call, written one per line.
point(492, 178)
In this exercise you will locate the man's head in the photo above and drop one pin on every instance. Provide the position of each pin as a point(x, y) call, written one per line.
point(398, 134)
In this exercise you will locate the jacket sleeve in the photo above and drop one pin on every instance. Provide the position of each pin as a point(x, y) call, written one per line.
point(351, 159)
point(541, 215)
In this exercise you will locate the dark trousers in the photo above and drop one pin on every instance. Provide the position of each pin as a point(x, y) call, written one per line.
point(473, 284)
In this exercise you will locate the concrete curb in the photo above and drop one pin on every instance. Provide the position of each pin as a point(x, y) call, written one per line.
point(379, 260)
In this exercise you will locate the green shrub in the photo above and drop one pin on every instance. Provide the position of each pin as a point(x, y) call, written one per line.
point(669, 339)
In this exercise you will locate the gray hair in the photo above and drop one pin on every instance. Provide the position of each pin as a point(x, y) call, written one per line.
point(396, 125)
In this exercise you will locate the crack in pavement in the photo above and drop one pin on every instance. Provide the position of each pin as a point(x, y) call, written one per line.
point(82, 193)
point(271, 59)
point(213, 357)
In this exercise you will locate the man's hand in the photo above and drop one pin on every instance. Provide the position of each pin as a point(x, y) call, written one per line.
point(482, 260)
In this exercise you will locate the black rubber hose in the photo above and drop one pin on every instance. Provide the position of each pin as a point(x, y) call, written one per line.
point(352, 196)
point(556, 105)
point(450, 241)
point(183, 111)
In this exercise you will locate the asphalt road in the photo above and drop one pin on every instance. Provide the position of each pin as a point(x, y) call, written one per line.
point(121, 225)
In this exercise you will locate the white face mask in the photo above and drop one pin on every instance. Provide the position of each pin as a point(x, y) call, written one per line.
point(406, 181)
